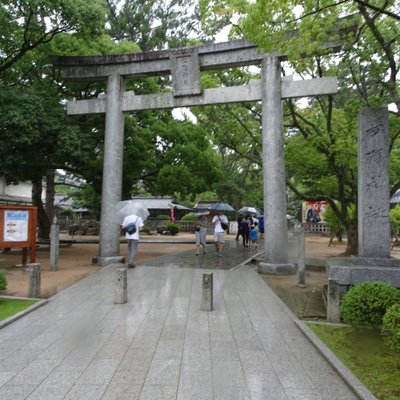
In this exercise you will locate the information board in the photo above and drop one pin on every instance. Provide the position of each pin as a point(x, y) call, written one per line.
point(18, 229)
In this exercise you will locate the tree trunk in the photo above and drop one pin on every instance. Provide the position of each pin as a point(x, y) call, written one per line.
point(352, 239)
point(50, 194)
point(43, 222)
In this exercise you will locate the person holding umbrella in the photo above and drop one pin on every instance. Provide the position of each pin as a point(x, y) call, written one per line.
point(132, 214)
point(132, 224)
point(221, 224)
point(201, 232)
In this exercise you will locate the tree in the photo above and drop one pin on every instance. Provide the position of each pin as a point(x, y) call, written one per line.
point(321, 140)
point(28, 25)
point(153, 24)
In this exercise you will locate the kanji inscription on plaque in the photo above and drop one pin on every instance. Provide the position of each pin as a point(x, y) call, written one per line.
point(185, 70)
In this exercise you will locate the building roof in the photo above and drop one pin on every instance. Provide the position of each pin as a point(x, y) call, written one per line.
point(395, 199)
point(11, 199)
point(159, 203)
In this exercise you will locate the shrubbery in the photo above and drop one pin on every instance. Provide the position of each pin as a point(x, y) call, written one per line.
point(172, 228)
point(364, 305)
point(391, 327)
point(189, 217)
point(3, 281)
point(163, 216)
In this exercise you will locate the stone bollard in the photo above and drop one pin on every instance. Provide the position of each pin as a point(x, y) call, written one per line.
point(333, 312)
point(301, 264)
point(54, 245)
point(207, 292)
point(34, 280)
point(121, 286)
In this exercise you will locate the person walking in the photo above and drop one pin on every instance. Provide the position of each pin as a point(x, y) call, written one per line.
point(239, 221)
point(132, 224)
point(201, 232)
point(221, 224)
point(245, 230)
point(253, 237)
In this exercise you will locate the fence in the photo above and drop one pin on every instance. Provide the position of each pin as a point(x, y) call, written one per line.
point(316, 228)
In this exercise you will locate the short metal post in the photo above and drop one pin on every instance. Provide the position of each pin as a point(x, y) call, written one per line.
point(121, 286)
point(54, 245)
point(34, 280)
point(207, 292)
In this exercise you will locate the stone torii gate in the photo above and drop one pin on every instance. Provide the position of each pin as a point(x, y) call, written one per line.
point(185, 65)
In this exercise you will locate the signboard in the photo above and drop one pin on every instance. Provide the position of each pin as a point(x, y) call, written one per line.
point(18, 229)
point(16, 226)
point(313, 211)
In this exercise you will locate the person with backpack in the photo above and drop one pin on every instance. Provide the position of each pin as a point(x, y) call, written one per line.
point(221, 224)
point(132, 224)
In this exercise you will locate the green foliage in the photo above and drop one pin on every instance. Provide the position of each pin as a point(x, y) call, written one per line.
point(332, 220)
point(10, 307)
point(163, 216)
point(189, 217)
point(364, 305)
point(66, 212)
point(3, 280)
point(366, 355)
point(391, 327)
point(29, 25)
point(395, 218)
point(172, 228)
point(146, 229)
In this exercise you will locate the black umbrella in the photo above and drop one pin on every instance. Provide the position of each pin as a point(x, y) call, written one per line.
point(220, 207)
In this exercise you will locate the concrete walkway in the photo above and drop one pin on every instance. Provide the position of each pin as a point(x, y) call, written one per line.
point(161, 346)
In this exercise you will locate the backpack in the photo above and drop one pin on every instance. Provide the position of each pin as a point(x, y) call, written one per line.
point(224, 225)
point(131, 228)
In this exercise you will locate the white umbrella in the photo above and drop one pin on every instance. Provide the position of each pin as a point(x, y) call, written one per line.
point(129, 207)
point(248, 210)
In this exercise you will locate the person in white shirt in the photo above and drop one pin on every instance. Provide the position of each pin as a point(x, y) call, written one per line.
point(221, 224)
point(132, 238)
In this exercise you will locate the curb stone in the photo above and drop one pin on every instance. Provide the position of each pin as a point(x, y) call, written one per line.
point(22, 313)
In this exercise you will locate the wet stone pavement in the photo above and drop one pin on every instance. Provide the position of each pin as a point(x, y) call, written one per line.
point(160, 345)
point(233, 255)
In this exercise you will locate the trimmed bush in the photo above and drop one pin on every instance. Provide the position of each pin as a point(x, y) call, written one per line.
point(189, 217)
point(3, 281)
point(172, 228)
point(391, 327)
point(364, 305)
point(163, 217)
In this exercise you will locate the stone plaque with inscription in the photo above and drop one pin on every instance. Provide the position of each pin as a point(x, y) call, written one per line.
point(373, 190)
point(185, 70)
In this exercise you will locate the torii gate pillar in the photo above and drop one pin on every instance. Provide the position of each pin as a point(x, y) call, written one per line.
point(112, 173)
point(275, 239)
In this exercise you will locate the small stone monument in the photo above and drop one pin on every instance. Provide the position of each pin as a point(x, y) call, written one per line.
point(207, 292)
point(373, 262)
point(301, 265)
point(34, 280)
point(121, 286)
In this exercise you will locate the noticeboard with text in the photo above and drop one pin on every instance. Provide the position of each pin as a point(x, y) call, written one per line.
point(18, 227)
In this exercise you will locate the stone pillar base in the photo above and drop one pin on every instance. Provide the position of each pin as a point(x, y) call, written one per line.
point(276, 269)
point(346, 272)
point(103, 261)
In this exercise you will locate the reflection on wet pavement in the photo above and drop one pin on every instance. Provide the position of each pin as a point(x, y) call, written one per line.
point(234, 254)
